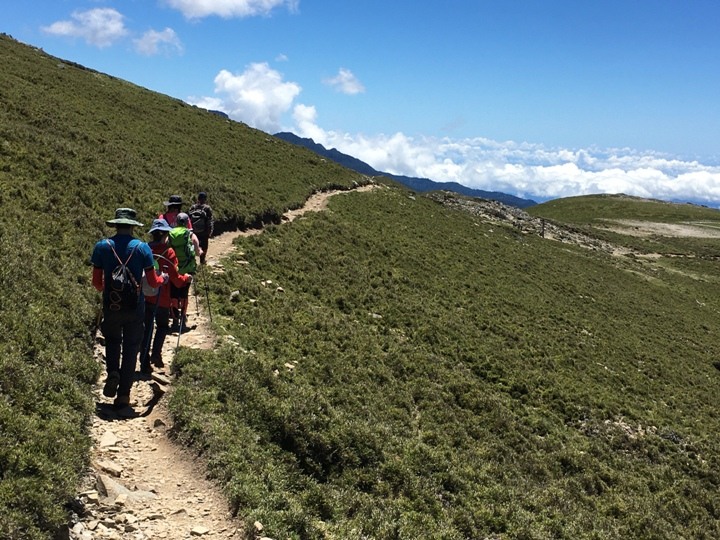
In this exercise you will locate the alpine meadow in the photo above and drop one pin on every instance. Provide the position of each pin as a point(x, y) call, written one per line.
point(397, 366)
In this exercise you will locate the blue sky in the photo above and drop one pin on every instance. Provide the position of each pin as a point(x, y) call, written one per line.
point(540, 99)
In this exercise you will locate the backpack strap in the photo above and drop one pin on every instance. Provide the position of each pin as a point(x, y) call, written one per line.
point(163, 257)
point(124, 264)
point(112, 246)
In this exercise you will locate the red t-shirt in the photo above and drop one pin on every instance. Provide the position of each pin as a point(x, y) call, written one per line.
point(171, 217)
point(167, 261)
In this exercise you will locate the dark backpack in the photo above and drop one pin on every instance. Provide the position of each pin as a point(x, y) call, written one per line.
point(198, 218)
point(123, 290)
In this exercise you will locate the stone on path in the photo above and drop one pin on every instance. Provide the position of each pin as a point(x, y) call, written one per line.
point(162, 379)
point(112, 489)
point(108, 439)
point(111, 468)
point(199, 530)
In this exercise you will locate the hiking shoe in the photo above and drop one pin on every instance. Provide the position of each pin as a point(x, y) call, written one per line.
point(157, 361)
point(146, 369)
point(111, 384)
point(122, 401)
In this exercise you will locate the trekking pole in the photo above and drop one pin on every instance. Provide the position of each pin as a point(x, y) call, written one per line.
point(183, 311)
point(197, 304)
point(146, 346)
point(207, 292)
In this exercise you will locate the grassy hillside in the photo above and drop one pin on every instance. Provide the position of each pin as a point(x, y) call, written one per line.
point(74, 145)
point(426, 374)
point(422, 373)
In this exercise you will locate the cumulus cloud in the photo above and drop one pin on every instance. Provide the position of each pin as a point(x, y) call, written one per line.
point(197, 9)
point(153, 42)
point(100, 27)
point(305, 116)
point(258, 96)
point(524, 169)
point(345, 82)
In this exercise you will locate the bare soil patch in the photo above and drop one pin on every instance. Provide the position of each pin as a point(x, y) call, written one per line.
point(649, 228)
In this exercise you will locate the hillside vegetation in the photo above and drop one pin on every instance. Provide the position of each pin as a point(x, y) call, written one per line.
point(74, 145)
point(391, 368)
point(423, 373)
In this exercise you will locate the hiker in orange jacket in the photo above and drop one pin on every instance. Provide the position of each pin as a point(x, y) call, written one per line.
point(157, 306)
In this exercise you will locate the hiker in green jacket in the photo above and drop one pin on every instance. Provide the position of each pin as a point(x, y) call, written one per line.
point(187, 247)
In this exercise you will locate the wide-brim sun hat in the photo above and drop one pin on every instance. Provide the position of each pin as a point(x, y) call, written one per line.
point(160, 225)
point(125, 216)
point(173, 200)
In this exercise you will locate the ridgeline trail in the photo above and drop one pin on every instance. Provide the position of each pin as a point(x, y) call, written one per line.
point(142, 485)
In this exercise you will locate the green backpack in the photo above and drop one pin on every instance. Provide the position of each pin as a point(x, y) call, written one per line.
point(181, 242)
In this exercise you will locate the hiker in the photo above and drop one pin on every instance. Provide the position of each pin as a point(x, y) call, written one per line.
point(173, 208)
point(157, 306)
point(118, 265)
point(203, 224)
point(187, 247)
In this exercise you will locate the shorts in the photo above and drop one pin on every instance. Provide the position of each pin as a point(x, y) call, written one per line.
point(179, 292)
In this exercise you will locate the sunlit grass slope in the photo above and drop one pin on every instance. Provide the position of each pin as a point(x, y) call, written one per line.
point(424, 374)
point(74, 145)
point(595, 213)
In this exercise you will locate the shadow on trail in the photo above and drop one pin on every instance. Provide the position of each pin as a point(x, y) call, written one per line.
point(110, 413)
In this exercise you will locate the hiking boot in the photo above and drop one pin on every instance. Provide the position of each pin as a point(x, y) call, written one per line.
point(188, 328)
point(157, 361)
point(175, 326)
point(111, 384)
point(121, 401)
point(146, 369)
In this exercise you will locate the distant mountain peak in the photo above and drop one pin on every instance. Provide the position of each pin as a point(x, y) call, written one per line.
point(417, 184)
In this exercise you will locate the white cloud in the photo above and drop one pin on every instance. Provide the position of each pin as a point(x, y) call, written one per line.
point(197, 9)
point(100, 27)
point(305, 116)
point(527, 170)
point(258, 96)
point(345, 82)
point(153, 42)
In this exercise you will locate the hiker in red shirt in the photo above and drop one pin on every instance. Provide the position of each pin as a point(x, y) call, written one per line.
point(157, 306)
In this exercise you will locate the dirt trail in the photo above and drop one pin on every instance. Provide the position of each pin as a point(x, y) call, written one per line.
point(141, 484)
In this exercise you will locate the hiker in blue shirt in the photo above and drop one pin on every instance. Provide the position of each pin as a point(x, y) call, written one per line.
point(118, 265)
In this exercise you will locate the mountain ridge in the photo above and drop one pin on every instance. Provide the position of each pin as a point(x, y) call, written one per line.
point(416, 183)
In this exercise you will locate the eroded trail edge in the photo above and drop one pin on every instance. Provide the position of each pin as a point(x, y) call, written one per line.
point(142, 485)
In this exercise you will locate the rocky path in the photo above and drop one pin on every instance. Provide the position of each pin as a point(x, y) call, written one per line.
point(141, 484)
